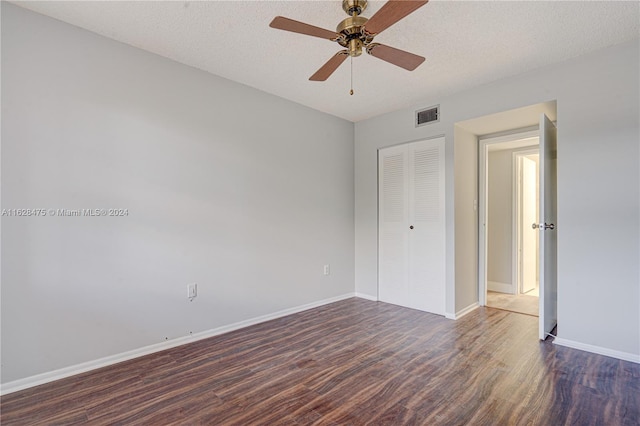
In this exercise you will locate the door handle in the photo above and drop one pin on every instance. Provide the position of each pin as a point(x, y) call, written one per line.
point(543, 226)
point(411, 227)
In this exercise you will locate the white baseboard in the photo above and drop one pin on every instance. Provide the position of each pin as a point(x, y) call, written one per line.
point(462, 312)
point(367, 296)
point(500, 287)
point(625, 356)
point(61, 373)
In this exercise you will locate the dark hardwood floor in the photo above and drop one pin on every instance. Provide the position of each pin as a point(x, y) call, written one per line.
point(353, 362)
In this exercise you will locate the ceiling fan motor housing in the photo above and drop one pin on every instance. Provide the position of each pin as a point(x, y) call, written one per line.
point(351, 34)
point(353, 37)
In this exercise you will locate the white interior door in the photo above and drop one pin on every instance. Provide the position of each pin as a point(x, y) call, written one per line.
point(529, 252)
point(548, 235)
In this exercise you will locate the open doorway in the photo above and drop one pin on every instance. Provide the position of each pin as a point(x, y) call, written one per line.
point(511, 198)
point(475, 136)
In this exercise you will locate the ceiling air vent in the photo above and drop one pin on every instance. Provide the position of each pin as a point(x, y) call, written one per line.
point(428, 115)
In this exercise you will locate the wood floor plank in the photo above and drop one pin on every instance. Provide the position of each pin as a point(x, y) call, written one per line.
point(354, 362)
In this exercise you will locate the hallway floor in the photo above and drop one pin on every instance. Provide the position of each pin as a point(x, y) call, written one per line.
point(521, 303)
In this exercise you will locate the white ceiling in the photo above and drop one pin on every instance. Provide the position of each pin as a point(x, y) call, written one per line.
point(466, 43)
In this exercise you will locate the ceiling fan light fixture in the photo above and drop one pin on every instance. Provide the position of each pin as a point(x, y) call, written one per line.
point(355, 47)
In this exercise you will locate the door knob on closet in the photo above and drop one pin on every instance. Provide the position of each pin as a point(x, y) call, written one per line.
point(411, 227)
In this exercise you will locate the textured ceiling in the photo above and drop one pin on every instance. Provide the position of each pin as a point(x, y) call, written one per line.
point(466, 43)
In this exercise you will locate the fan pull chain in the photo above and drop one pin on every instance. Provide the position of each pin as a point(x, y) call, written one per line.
point(354, 14)
point(351, 92)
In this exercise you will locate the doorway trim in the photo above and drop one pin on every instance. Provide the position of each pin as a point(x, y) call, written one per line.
point(518, 139)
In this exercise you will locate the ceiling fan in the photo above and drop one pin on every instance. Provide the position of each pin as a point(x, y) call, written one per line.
point(356, 33)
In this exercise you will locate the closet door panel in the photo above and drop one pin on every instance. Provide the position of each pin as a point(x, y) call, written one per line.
point(426, 215)
point(392, 230)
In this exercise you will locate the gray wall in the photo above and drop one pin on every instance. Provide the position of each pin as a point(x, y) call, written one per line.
point(499, 220)
point(244, 193)
point(466, 218)
point(598, 183)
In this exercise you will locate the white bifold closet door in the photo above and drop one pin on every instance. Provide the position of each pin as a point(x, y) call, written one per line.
point(411, 226)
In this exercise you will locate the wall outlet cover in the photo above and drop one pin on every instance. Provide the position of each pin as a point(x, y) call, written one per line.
point(192, 290)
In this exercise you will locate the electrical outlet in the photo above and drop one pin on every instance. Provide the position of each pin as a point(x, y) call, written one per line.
point(192, 290)
point(327, 269)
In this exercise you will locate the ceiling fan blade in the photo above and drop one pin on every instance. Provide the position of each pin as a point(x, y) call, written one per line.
point(398, 57)
point(282, 23)
point(332, 64)
point(390, 13)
